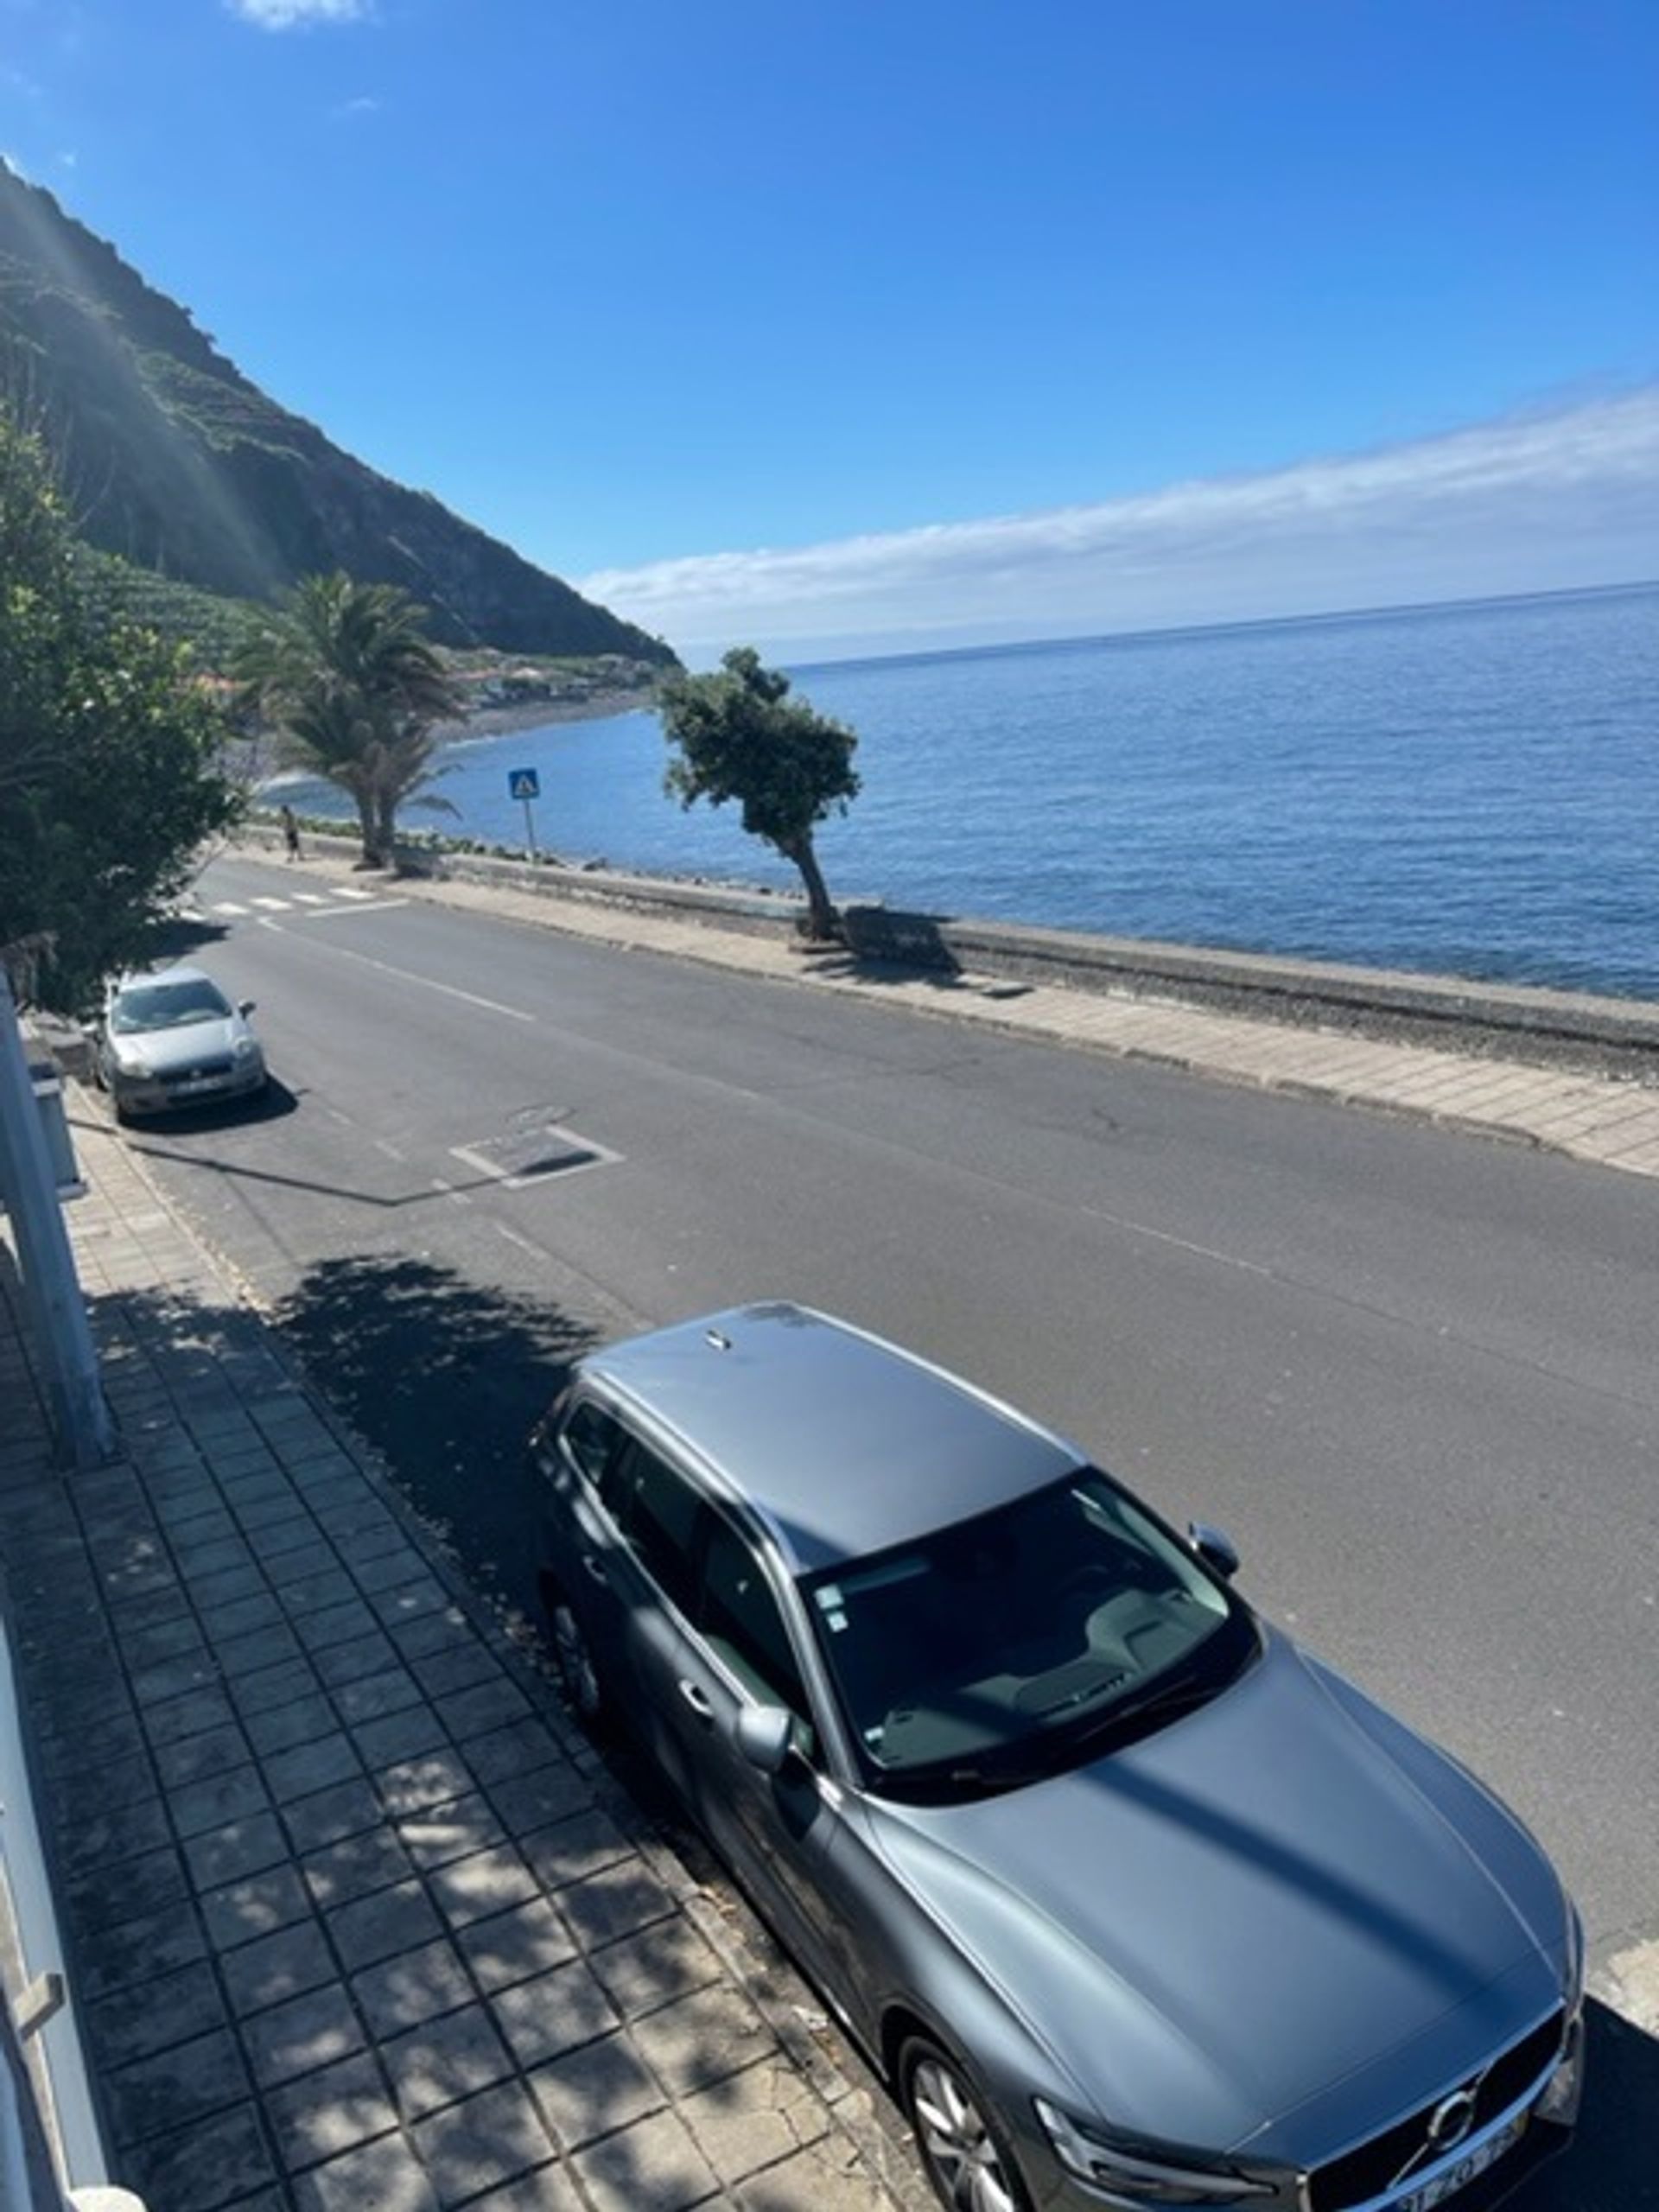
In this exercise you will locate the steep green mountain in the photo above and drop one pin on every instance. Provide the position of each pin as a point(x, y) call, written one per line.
point(176, 463)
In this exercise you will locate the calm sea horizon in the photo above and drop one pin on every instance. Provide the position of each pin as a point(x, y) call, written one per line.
point(1467, 790)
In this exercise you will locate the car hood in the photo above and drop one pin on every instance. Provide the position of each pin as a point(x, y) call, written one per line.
point(163, 1050)
point(1278, 1923)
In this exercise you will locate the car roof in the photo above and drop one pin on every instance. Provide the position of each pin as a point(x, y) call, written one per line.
point(844, 1445)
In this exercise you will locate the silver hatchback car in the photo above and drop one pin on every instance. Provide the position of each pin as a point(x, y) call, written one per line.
point(1132, 1902)
point(171, 1039)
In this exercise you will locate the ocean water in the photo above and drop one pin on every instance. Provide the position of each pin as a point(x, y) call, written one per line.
point(1469, 790)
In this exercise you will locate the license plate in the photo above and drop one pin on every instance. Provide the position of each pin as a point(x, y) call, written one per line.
point(1446, 2186)
point(197, 1084)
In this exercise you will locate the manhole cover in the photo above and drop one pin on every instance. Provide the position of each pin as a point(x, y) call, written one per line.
point(532, 1155)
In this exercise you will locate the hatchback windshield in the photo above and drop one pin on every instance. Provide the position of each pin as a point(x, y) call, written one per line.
point(167, 1006)
point(971, 1652)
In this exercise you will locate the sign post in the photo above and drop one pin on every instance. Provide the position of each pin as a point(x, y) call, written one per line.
point(525, 784)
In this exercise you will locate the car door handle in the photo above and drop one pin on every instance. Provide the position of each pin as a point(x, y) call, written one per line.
point(697, 1698)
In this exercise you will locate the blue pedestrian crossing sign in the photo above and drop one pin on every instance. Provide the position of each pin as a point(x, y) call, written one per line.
point(523, 783)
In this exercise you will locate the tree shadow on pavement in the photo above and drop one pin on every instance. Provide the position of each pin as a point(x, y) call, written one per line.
point(444, 1379)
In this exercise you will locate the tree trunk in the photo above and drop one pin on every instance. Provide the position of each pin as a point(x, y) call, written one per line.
point(823, 923)
point(365, 823)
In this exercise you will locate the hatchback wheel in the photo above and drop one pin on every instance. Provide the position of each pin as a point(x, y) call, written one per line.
point(574, 1658)
point(963, 2148)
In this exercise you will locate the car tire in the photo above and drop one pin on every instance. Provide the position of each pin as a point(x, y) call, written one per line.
point(572, 1660)
point(964, 2149)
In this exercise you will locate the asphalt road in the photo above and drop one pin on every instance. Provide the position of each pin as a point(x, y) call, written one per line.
point(1412, 1373)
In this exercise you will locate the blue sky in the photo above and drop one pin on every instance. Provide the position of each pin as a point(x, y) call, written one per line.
point(834, 324)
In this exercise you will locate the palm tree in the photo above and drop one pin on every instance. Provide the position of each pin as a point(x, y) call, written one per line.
point(354, 688)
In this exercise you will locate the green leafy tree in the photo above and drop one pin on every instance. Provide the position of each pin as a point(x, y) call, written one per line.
point(355, 689)
point(739, 735)
point(111, 774)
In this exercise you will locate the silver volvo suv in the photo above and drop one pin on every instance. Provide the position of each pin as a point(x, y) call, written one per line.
point(1132, 1902)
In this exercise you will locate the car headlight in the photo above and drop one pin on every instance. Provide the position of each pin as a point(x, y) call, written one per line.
point(1558, 2104)
point(1563, 2091)
point(138, 1070)
point(245, 1048)
point(1144, 2175)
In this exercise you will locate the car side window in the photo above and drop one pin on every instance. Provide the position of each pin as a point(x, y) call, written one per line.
point(740, 1620)
point(592, 1440)
point(660, 1513)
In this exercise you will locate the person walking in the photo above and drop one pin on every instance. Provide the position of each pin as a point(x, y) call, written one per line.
point(291, 834)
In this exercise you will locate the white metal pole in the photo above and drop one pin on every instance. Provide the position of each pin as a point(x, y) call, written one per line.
point(85, 1435)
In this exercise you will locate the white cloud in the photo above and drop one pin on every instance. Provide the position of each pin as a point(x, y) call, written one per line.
point(299, 14)
point(365, 104)
point(1540, 502)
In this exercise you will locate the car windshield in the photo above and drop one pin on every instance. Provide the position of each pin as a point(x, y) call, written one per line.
point(1000, 1646)
point(167, 1006)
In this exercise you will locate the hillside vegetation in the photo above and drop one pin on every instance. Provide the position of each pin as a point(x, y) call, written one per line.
point(194, 485)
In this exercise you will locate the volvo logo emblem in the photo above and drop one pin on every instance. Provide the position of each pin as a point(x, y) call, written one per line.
point(1451, 2120)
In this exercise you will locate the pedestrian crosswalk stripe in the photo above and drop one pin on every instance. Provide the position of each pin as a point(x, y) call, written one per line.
point(271, 905)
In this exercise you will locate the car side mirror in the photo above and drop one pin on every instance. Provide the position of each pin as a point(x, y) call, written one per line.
point(763, 1733)
point(245, 1005)
point(1215, 1548)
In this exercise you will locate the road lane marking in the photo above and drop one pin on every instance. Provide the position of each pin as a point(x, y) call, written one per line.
point(311, 898)
point(549, 1152)
point(523, 1243)
point(347, 891)
point(427, 983)
point(228, 907)
point(391, 1150)
point(455, 1197)
point(1628, 1984)
point(270, 905)
point(350, 913)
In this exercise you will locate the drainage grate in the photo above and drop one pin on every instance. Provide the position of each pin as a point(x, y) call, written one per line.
point(533, 1155)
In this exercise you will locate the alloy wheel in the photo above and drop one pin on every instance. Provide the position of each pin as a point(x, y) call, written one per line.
point(574, 1661)
point(963, 2159)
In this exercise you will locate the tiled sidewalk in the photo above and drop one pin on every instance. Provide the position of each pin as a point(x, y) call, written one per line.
point(356, 1922)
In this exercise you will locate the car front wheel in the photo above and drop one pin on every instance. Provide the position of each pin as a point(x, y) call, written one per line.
point(963, 2149)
